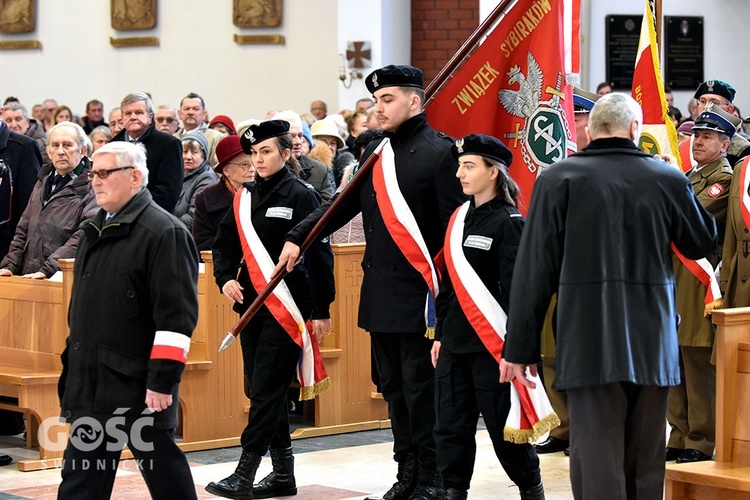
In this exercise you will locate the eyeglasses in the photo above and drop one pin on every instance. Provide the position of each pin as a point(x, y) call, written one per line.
point(715, 102)
point(167, 119)
point(245, 165)
point(103, 173)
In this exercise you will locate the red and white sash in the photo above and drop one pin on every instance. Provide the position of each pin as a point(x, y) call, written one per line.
point(403, 227)
point(531, 415)
point(311, 373)
point(744, 196)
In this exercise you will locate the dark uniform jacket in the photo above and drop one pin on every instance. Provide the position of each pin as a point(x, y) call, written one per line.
point(492, 233)
point(211, 205)
point(393, 293)
point(21, 155)
point(49, 231)
point(278, 204)
point(164, 162)
point(711, 186)
point(133, 277)
point(598, 232)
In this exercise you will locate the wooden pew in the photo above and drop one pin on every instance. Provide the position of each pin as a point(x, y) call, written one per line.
point(728, 477)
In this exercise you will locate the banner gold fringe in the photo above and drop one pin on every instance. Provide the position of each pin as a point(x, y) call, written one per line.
point(430, 333)
point(530, 436)
point(307, 393)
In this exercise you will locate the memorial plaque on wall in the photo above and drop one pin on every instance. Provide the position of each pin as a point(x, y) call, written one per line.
point(683, 52)
point(623, 33)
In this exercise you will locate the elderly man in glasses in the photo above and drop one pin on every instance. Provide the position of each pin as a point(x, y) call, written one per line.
point(167, 120)
point(133, 307)
point(61, 203)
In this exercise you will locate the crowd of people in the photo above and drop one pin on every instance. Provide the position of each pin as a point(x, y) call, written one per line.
point(616, 321)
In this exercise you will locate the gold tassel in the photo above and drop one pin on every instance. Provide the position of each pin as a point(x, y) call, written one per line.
point(307, 393)
point(716, 304)
point(430, 333)
point(530, 436)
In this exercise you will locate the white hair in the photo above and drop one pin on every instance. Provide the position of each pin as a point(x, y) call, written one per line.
point(126, 155)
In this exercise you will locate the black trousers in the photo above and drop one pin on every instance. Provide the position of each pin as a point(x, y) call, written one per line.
point(465, 385)
point(407, 382)
point(90, 474)
point(270, 357)
point(617, 435)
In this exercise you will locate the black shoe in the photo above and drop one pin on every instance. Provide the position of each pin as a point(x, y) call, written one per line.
point(551, 445)
point(566, 451)
point(406, 479)
point(454, 494)
point(533, 493)
point(689, 456)
point(240, 484)
point(280, 482)
point(423, 492)
point(674, 453)
point(5, 460)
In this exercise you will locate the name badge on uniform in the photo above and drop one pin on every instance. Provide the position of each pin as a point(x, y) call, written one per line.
point(280, 213)
point(480, 242)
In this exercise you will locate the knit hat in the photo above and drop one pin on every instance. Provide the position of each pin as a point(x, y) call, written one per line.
point(199, 137)
point(224, 120)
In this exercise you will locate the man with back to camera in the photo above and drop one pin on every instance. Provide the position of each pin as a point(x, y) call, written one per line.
point(394, 294)
point(163, 152)
point(598, 232)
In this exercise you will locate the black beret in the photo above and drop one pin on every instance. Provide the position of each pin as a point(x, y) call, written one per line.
point(394, 76)
point(715, 118)
point(717, 87)
point(483, 145)
point(583, 101)
point(261, 132)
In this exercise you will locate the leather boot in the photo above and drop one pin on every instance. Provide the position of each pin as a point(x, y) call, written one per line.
point(280, 482)
point(406, 480)
point(430, 482)
point(240, 484)
point(454, 494)
point(533, 493)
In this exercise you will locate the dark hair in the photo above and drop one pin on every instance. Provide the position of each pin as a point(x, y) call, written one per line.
point(285, 142)
point(365, 138)
point(675, 114)
point(193, 95)
point(602, 85)
point(506, 187)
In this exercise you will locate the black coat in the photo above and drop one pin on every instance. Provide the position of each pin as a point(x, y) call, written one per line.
point(393, 293)
point(21, 154)
point(278, 204)
point(211, 205)
point(134, 277)
point(495, 231)
point(598, 233)
point(164, 162)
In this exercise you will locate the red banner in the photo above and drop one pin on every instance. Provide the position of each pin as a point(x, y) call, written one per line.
point(514, 88)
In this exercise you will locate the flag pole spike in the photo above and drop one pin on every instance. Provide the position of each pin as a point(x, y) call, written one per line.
point(228, 340)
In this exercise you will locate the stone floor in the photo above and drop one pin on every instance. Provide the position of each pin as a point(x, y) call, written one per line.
point(342, 467)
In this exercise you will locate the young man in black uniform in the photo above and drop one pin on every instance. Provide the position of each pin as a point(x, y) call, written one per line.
point(394, 293)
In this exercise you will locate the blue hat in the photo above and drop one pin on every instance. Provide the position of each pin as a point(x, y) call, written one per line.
point(715, 118)
point(261, 132)
point(717, 87)
point(483, 145)
point(583, 101)
point(307, 134)
point(394, 76)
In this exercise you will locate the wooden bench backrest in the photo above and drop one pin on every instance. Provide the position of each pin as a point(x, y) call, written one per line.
point(733, 385)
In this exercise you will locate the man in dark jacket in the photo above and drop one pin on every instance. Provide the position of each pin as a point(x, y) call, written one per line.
point(133, 308)
point(21, 156)
point(163, 152)
point(61, 204)
point(598, 232)
point(394, 293)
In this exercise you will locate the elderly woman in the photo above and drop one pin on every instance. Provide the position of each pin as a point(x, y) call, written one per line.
point(100, 136)
point(198, 174)
point(211, 204)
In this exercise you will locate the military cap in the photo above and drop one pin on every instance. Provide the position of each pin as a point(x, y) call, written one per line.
point(583, 100)
point(717, 87)
point(715, 118)
point(483, 145)
point(394, 76)
point(262, 131)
